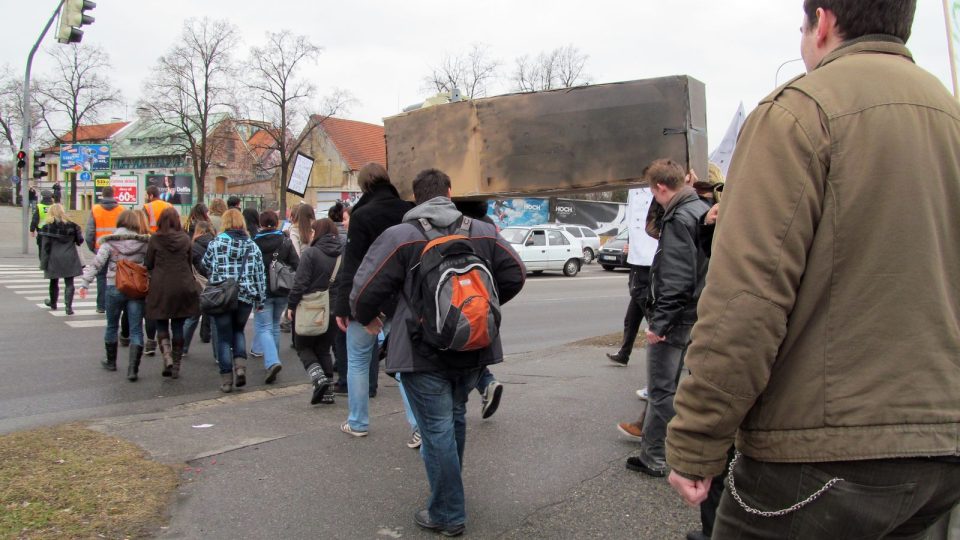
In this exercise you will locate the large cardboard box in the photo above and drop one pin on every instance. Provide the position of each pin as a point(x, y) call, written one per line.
point(588, 138)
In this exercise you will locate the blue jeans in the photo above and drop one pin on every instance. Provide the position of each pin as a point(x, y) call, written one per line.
point(231, 342)
point(361, 349)
point(101, 288)
point(266, 338)
point(439, 403)
point(411, 419)
point(484, 380)
point(116, 302)
point(190, 327)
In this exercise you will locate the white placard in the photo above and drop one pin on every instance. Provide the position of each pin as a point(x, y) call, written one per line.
point(300, 177)
point(642, 246)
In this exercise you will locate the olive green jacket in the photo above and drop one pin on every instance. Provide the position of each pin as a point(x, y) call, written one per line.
point(829, 328)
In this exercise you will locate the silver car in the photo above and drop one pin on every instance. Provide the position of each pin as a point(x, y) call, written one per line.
point(546, 247)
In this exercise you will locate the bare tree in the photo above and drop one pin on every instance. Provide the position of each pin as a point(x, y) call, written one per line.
point(560, 68)
point(76, 91)
point(192, 84)
point(471, 72)
point(11, 109)
point(281, 99)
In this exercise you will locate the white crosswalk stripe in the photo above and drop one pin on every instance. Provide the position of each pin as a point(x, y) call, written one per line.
point(28, 282)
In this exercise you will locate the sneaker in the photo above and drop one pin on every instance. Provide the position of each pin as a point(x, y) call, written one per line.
point(491, 399)
point(272, 373)
point(635, 464)
point(630, 430)
point(345, 427)
point(415, 440)
point(256, 354)
point(617, 359)
point(643, 394)
point(422, 518)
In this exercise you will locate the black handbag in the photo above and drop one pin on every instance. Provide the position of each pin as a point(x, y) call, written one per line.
point(281, 277)
point(223, 296)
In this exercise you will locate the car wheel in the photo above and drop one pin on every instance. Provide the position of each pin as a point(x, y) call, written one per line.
point(571, 267)
point(607, 267)
point(587, 255)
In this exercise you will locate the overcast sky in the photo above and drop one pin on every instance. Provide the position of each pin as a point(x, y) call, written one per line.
point(381, 51)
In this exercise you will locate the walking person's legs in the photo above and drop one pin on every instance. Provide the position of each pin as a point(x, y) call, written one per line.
point(340, 356)
point(223, 338)
point(102, 290)
point(360, 347)
point(238, 320)
point(68, 292)
point(54, 294)
point(176, 331)
point(114, 303)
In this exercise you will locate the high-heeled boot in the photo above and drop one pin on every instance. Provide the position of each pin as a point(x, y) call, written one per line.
point(133, 368)
point(177, 357)
point(68, 298)
point(110, 362)
point(166, 350)
point(54, 294)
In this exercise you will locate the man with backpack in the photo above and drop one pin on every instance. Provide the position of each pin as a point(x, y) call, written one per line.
point(452, 274)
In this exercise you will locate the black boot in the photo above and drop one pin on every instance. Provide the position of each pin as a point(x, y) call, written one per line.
point(110, 363)
point(68, 298)
point(54, 294)
point(133, 369)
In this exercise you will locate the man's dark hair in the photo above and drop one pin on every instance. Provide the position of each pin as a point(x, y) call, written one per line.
point(233, 202)
point(664, 172)
point(430, 183)
point(107, 192)
point(856, 18)
point(153, 191)
point(335, 212)
point(372, 175)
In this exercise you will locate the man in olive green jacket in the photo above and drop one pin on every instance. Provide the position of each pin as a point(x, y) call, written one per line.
point(828, 334)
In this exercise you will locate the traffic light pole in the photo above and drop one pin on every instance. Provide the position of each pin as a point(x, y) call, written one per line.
point(24, 181)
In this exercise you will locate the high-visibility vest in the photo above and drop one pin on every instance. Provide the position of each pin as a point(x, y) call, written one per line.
point(153, 210)
point(42, 211)
point(105, 221)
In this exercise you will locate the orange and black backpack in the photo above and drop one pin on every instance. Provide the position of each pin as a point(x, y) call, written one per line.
point(455, 297)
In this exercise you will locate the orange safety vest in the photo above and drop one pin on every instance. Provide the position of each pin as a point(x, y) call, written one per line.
point(105, 221)
point(153, 210)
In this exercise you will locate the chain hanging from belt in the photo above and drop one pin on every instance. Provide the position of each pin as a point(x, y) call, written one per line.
point(773, 513)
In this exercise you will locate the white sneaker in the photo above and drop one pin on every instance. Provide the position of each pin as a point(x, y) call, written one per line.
point(415, 440)
point(345, 427)
point(643, 394)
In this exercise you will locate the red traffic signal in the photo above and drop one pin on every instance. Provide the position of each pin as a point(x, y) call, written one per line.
point(21, 159)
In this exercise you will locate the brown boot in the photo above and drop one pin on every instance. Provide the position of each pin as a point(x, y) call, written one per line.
point(226, 382)
point(166, 350)
point(177, 357)
point(240, 369)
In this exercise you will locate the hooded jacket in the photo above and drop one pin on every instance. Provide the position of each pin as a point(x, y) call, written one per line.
point(316, 267)
point(122, 244)
point(232, 253)
point(90, 233)
point(272, 243)
point(374, 213)
point(173, 292)
point(388, 271)
point(828, 329)
point(679, 266)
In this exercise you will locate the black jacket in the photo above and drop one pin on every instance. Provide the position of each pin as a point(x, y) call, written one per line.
point(273, 242)
point(316, 267)
point(679, 267)
point(374, 213)
point(197, 252)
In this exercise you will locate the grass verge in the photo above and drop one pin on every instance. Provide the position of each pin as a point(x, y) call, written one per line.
point(70, 482)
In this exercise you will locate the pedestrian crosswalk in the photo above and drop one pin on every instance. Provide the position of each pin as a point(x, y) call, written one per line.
point(28, 283)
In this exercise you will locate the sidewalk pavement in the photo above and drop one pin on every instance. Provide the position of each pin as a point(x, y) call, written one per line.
point(549, 464)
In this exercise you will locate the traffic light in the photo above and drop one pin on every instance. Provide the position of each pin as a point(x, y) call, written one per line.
point(21, 160)
point(38, 165)
point(72, 17)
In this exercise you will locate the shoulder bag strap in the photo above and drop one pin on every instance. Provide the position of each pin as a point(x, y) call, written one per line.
point(336, 268)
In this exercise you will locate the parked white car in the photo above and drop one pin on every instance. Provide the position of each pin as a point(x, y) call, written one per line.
point(588, 239)
point(546, 247)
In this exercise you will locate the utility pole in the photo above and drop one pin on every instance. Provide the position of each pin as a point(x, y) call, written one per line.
point(948, 18)
point(25, 182)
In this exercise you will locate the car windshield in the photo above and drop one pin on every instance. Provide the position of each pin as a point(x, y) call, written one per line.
point(514, 235)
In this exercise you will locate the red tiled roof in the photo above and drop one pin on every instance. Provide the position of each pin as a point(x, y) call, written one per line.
point(95, 132)
point(261, 143)
point(359, 143)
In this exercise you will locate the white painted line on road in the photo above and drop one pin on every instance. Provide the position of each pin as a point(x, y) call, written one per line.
point(88, 324)
point(77, 313)
point(35, 298)
point(17, 273)
point(33, 289)
point(75, 304)
point(9, 281)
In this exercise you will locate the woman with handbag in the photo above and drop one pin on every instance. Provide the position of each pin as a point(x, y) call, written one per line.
point(202, 235)
point(59, 259)
point(127, 243)
point(280, 262)
point(173, 295)
point(236, 286)
point(309, 299)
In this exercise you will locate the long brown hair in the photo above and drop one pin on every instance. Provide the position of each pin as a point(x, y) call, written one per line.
point(303, 221)
point(323, 227)
point(169, 221)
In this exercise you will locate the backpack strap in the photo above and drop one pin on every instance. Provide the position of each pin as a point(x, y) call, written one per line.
point(428, 229)
point(464, 228)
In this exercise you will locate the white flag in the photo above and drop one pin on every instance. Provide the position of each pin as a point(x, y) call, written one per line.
point(722, 154)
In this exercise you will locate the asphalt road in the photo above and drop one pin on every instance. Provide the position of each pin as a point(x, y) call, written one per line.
point(51, 370)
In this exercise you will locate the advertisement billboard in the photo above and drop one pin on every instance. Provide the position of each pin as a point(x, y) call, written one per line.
point(174, 188)
point(519, 212)
point(605, 218)
point(84, 157)
point(125, 188)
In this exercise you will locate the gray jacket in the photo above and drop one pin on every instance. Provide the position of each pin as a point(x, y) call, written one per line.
point(389, 268)
point(122, 244)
